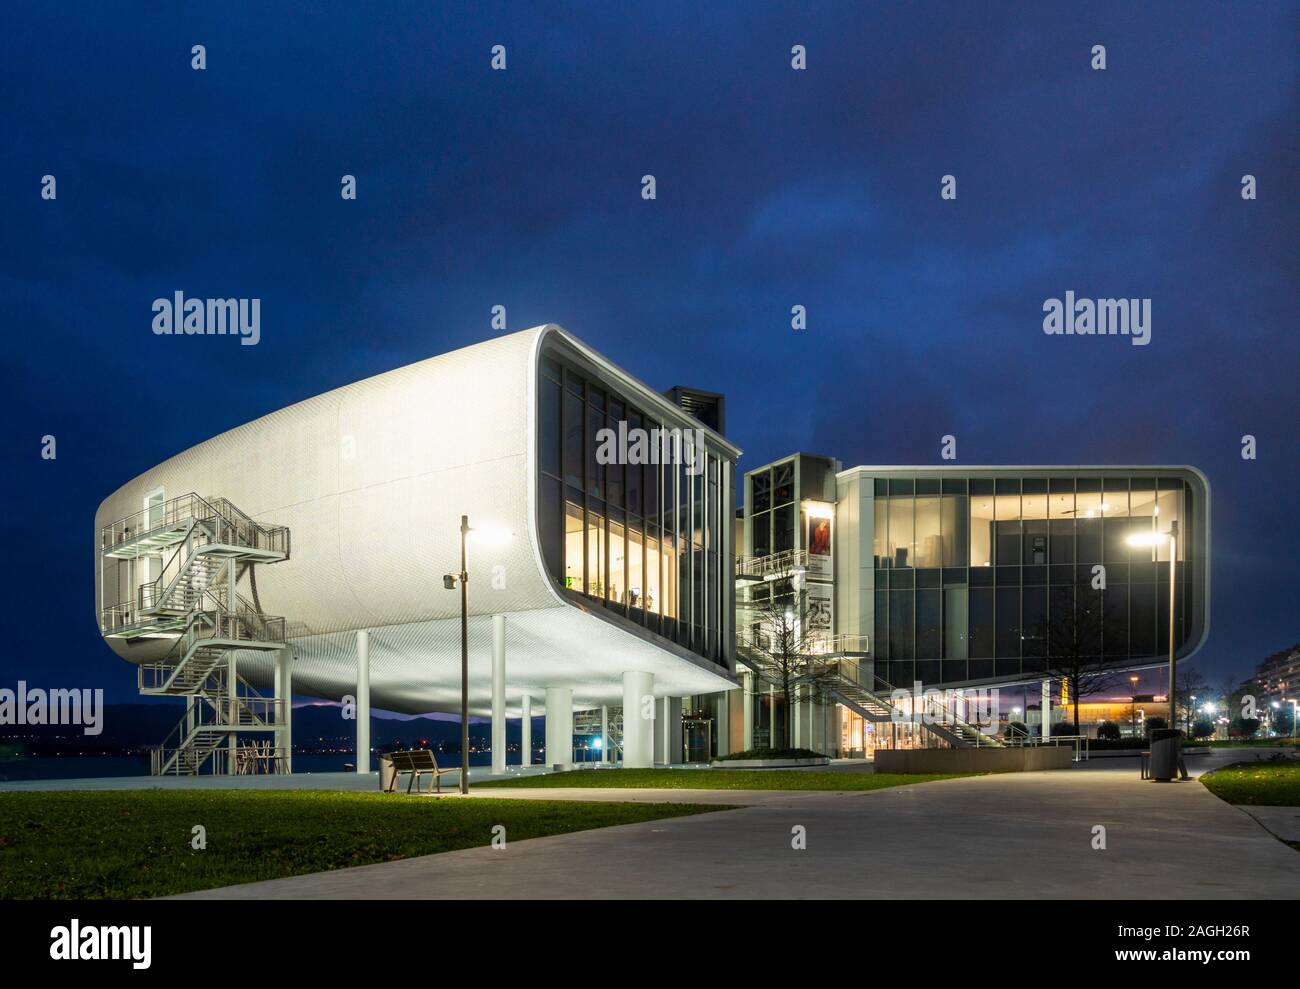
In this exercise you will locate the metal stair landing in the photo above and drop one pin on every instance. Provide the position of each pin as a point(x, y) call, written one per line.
point(202, 548)
point(834, 665)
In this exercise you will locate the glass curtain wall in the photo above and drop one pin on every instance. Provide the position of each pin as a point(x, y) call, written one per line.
point(646, 541)
point(996, 577)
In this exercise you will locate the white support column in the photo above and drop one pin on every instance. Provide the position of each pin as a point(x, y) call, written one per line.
point(526, 732)
point(747, 682)
point(797, 701)
point(668, 731)
point(284, 694)
point(638, 720)
point(232, 712)
point(604, 734)
point(233, 743)
point(1046, 731)
point(363, 701)
point(559, 726)
point(498, 695)
point(772, 742)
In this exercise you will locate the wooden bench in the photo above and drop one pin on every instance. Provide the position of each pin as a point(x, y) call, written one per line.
point(417, 762)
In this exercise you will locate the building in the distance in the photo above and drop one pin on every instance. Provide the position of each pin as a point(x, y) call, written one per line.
point(1276, 682)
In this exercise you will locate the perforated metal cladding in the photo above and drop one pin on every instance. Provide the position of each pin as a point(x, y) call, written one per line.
point(371, 480)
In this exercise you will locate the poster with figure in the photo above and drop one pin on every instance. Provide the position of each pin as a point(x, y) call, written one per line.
point(819, 547)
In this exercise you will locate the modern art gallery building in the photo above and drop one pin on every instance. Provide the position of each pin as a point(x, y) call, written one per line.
point(613, 588)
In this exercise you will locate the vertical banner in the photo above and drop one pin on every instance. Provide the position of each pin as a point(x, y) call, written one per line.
point(820, 602)
point(818, 541)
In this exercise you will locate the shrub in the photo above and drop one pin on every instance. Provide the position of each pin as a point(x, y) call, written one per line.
point(1156, 722)
point(1202, 729)
point(773, 754)
point(1243, 727)
point(1108, 730)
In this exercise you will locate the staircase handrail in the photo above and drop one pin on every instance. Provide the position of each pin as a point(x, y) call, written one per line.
point(230, 520)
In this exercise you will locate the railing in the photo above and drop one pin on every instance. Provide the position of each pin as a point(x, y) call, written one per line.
point(773, 563)
point(229, 525)
point(1080, 743)
point(934, 712)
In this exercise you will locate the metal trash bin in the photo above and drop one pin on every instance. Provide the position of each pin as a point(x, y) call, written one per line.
point(386, 772)
point(1166, 746)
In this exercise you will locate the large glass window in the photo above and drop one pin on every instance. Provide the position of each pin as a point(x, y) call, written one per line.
point(1008, 522)
point(929, 539)
point(981, 522)
point(1017, 557)
point(900, 530)
point(954, 523)
point(880, 534)
point(574, 542)
point(644, 540)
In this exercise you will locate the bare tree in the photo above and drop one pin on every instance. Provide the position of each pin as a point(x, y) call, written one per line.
point(1190, 683)
point(1074, 648)
point(779, 639)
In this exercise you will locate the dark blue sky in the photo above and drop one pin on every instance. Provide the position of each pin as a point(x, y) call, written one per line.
point(775, 188)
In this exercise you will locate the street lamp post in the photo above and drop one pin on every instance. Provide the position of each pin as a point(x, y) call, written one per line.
point(1132, 704)
point(1155, 539)
point(450, 581)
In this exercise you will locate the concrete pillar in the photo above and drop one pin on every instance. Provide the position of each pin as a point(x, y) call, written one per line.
point(773, 741)
point(498, 695)
point(1047, 709)
point(284, 694)
point(747, 684)
point(668, 730)
point(363, 701)
point(559, 726)
point(233, 742)
point(604, 734)
point(638, 720)
point(797, 701)
point(526, 732)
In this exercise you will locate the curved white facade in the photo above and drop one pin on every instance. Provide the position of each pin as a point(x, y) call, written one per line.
point(371, 479)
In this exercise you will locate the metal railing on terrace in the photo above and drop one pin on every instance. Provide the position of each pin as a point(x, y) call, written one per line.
point(228, 524)
point(818, 645)
point(787, 561)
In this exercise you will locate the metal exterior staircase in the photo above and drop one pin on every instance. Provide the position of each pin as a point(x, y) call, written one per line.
point(203, 548)
point(834, 665)
point(588, 723)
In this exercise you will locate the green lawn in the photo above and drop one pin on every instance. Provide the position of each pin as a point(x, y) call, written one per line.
point(724, 779)
point(136, 843)
point(1262, 784)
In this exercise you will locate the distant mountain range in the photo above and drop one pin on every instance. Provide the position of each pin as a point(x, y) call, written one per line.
point(130, 728)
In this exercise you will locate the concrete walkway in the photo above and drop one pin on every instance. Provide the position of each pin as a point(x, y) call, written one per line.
point(1022, 835)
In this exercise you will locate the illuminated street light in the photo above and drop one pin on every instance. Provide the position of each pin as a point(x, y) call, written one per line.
point(1154, 538)
point(485, 535)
